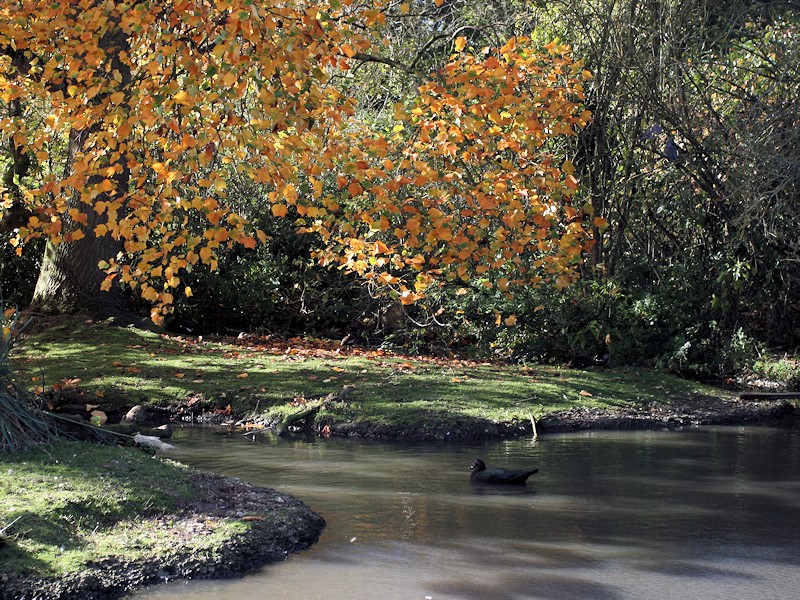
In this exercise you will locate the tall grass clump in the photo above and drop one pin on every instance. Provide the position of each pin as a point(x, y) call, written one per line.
point(22, 425)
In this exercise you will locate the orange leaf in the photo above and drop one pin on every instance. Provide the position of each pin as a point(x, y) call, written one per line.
point(182, 98)
point(243, 375)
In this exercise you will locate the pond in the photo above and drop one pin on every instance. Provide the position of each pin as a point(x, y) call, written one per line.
point(703, 513)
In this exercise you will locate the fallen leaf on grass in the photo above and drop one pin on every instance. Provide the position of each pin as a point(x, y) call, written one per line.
point(243, 375)
point(585, 394)
point(180, 375)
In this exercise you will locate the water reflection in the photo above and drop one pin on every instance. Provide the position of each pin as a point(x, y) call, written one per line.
point(609, 515)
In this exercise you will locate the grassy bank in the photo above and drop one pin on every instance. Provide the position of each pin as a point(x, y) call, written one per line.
point(118, 367)
point(90, 521)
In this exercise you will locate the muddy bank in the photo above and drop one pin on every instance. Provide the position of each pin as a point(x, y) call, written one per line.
point(431, 425)
point(696, 411)
point(279, 524)
point(447, 426)
point(699, 410)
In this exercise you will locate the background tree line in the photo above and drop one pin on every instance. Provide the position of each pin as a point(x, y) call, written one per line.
point(691, 158)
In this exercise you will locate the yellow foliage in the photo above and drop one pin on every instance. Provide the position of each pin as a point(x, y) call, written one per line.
point(458, 185)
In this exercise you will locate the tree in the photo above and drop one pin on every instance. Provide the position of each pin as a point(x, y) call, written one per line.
point(131, 116)
point(688, 156)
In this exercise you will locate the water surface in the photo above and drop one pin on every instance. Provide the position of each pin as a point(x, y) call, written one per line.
point(610, 515)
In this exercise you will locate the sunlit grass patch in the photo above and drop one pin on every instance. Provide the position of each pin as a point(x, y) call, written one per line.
point(67, 505)
point(128, 366)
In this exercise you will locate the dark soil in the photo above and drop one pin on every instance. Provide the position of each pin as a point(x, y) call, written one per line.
point(280, 524)
point(695, 411)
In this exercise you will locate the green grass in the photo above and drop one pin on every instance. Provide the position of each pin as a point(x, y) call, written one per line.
point(784, 370)
point(125, 366)
point(69, 505)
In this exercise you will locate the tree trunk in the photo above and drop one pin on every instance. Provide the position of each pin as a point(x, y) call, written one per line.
point(69, 280)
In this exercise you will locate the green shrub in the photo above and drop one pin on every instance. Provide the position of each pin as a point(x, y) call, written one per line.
point(785, 370)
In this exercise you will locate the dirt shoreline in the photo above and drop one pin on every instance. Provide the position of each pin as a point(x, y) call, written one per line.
point(279, 525)
point(696, 411)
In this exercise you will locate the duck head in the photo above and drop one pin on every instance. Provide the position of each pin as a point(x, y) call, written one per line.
point(477, 465)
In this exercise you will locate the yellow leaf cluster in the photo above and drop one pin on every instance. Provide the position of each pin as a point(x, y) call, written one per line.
point(489, 113)
point(459, 186)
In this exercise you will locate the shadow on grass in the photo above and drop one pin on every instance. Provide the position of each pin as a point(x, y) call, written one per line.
point(129, 366)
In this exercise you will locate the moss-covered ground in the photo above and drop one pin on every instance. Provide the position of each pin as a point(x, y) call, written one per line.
point(69, 504)
point(80, 520)
point(119, 367)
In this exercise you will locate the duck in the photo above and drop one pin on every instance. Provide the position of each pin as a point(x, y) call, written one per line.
point(480, 473)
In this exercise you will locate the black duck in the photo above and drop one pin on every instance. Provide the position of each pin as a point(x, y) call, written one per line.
point(480, 473)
